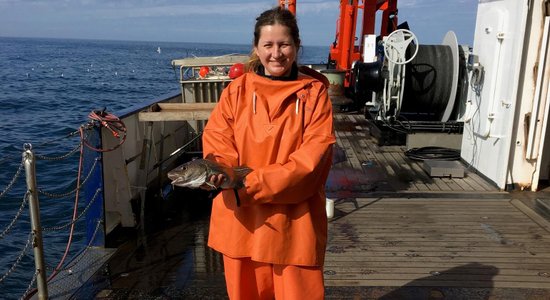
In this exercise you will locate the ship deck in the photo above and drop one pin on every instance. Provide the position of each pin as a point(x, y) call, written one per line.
point(397, 233)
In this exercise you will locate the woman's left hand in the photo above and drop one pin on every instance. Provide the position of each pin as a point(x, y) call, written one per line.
point(214, 182)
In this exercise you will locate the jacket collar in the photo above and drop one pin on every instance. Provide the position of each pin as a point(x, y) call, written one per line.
point(293, 73)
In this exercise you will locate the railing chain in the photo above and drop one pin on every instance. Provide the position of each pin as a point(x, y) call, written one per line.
point(56, 228)
point(13, 180)
point(16, 217)
point(30, 286)
point(88, 247)
point(19, 258)
point(62, 157)
point(53, 195)
point(33, 238)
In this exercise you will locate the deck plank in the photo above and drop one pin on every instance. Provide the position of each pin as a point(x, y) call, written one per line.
point(437, 242)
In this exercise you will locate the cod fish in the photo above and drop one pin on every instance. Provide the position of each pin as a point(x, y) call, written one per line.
point(195, 173)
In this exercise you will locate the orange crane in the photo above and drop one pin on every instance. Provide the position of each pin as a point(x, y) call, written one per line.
point(344, 51)
point(288, 4)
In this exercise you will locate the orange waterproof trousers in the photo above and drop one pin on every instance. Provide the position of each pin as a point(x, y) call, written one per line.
point(250, 280)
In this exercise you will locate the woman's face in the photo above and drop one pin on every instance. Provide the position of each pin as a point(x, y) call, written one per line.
point(276, 50)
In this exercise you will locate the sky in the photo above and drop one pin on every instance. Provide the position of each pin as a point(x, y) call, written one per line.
point(213, 21)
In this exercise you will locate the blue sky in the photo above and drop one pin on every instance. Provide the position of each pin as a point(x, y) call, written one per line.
point(214, 21)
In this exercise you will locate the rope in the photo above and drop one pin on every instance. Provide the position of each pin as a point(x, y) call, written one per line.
point(56, 228)
point(118, 129)
point(80, 256)
point(75, 211)
point(111, 123)
point(436, 153)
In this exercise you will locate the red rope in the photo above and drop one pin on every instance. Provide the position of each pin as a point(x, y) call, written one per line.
point(111, 123)
point(116, 126)
point(75, 212)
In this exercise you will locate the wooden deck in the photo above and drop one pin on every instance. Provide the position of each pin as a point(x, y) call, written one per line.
point(370, 168)
point(439, 242)
point(397, 233)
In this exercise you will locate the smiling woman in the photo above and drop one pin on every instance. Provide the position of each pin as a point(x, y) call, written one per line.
point(276, 50)
point(276, 43)
point(277, 120)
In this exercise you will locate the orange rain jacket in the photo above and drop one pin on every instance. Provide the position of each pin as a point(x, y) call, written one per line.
point(283, 130)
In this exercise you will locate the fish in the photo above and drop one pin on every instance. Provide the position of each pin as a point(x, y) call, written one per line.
point(196, 172)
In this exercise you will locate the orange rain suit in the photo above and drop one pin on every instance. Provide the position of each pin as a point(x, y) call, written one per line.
point(283, 130)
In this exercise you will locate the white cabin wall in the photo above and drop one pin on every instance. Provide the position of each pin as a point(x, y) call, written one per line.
point(543, 161)
point(524, 167)
point(488, 127)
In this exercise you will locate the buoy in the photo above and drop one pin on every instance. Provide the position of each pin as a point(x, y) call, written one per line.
point(203, 71)
point(236, 70)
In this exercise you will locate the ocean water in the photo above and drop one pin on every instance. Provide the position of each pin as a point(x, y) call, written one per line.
point(47, 89)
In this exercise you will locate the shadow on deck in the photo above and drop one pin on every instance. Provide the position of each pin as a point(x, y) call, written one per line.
point(397, 234)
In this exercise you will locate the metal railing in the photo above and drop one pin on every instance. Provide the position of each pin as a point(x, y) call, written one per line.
point(38, 278)
point(34, 208)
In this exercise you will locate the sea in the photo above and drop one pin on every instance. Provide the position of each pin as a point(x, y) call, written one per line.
point(47, 89)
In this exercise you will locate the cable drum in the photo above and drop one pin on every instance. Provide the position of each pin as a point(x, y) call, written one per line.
point(428, 82)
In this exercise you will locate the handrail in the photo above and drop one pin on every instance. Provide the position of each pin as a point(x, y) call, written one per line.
point(34, 208)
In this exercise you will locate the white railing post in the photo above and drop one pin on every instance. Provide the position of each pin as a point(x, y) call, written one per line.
point(30, 174)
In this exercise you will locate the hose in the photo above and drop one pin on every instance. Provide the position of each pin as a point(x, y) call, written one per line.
point(431, 152)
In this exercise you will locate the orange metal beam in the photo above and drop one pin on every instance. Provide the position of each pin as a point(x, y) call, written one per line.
point(344, 50)
point(389, 17)
point(288, 4)
point(369, 17)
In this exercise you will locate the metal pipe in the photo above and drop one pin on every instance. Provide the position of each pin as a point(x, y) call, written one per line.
point(34, 209)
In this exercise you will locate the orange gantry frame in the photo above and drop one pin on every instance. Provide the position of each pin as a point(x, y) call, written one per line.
point(344, 50)
point(288, 4)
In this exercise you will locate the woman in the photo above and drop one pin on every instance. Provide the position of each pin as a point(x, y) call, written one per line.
point(278, 121)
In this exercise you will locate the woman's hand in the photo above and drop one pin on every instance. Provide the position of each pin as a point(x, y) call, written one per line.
point(213, 183)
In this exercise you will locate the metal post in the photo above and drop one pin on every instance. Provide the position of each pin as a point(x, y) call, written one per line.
point(30, 174)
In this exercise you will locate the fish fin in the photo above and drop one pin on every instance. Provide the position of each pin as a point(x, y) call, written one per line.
point(239, 184)
point(240, 174)
point(210, 185)
point(242, 171)
point(237, 198)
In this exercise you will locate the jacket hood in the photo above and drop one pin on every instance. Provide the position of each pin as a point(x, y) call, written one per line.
point(276, 95)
